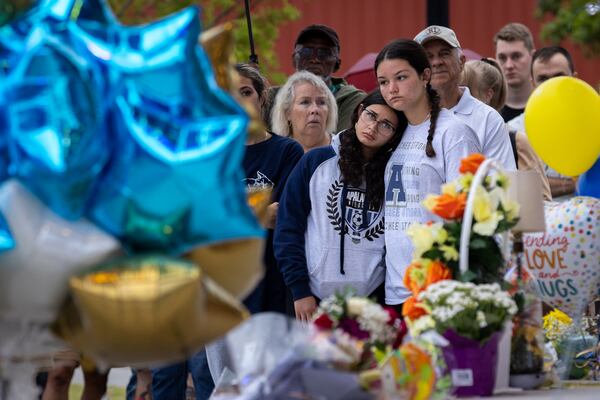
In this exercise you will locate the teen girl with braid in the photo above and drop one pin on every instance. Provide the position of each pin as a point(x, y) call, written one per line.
point(428, 156)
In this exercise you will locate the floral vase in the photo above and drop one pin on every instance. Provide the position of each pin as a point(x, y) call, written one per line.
point(471, 364)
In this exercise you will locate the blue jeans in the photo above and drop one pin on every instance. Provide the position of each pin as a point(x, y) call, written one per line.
point(170, 382)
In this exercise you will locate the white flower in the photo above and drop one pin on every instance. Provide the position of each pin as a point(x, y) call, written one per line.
point(421, 325)
point(355, 305)
point(374, 319)
point(481, 319)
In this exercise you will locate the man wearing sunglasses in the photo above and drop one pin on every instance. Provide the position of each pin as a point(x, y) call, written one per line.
point(317, 50)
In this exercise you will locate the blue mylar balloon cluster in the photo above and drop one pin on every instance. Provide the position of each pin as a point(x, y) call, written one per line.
point(123, 125)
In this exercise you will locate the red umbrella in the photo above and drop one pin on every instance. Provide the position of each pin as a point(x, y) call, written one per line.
point(361, 74)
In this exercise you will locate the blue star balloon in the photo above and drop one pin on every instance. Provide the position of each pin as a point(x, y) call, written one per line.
point(55, 110)
point(7, 242)
point(124, 124)
point(175, 178)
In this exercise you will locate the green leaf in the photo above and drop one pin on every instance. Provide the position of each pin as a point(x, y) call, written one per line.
point(478, 243)
point(570, 20)
point(467, 276)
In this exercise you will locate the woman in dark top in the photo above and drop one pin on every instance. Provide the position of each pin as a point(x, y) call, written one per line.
point(268, 161)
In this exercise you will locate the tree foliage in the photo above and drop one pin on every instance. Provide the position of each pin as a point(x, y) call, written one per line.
point(267, 17)
point(577, 20)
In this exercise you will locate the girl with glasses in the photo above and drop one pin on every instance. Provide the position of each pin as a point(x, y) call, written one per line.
point(428, 156)
point(329, 232)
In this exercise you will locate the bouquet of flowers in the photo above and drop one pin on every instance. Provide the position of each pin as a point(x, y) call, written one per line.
point(472, 311)
point(359, 327)
point(566, 339)
point(471, 317)
point(436, 244)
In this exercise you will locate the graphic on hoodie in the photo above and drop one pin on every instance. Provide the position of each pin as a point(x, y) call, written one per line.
point(260, 182)
point(358, 222)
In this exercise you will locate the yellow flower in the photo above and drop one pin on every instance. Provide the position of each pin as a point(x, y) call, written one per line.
point(488, 226)
point(556, 324)
point(559, 316)
point(450, 189)
point(430, 202)
point(482, 206)
point(465, 181)
point(424, 236)
point(450, 253)
point(502, 180)
point(512, 209)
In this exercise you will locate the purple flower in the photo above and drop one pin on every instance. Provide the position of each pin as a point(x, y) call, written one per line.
point(351, 327)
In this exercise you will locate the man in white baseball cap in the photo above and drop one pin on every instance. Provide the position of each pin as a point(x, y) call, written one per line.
point(447, 62)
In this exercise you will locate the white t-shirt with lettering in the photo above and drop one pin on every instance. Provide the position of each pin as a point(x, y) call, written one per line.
point(409, 177)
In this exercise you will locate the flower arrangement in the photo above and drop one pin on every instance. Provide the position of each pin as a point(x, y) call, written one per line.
point(352, 332)
point(436, 244)
point(472, 311)
point(527, 342)
point(568, 339)
point(360, 318)
point(557, 326)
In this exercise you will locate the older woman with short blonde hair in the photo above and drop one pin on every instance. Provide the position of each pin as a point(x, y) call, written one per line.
point(305, 110)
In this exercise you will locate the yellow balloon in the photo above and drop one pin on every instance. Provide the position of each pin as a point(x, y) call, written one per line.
point(562, 120)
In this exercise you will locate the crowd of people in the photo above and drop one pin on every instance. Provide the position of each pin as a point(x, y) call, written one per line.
point(349, 170)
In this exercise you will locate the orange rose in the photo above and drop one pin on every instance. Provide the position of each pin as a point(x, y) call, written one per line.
point(412, 309)
point(471, 163)
point(450, 207)
point(437, 271)
point(411, 281)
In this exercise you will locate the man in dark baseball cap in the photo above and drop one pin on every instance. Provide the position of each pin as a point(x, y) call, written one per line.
point(320, 31)
point(317, 50)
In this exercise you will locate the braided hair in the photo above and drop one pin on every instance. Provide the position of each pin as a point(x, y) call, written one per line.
point(354, 167)
point(434, 100)
point(413, 53)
